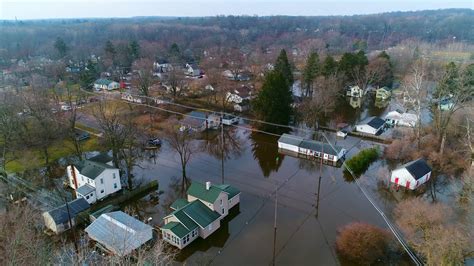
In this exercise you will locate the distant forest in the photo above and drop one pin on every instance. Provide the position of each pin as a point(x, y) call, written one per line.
point(22, 39)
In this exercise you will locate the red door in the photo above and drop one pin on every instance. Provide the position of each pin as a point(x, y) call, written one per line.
point(408, 184)
point(396, 180)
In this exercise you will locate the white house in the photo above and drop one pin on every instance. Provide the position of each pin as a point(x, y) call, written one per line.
point(193, 70)
point(412, 174)
point(372, 125)
point(162, 67)
point(105, 84)
point(311, 148)
point(199, 121)
point(133, 99)
point(95, 178)
point(229, 120)
point(200, 214)
point(401, 118)
point(239, 95)
point(355, 91)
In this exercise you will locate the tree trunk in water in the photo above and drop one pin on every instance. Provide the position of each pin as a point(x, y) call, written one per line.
point(443, 142)
point(129, 179)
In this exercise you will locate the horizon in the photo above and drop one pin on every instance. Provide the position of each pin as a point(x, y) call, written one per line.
point(123, 9)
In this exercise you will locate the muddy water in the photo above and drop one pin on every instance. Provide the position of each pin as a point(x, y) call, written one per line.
point(314, 200)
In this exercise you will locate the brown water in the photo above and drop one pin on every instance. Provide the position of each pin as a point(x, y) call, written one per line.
point(314, 201)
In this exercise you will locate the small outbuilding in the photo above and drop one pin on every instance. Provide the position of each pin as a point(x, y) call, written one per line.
point(119, 232)
point(372, 125)
point(57, 220)
point(412, 174)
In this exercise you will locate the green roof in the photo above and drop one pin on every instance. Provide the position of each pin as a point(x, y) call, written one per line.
point(178, 229)
point(178, 204)
point(199, 191)
point(232, 191)
point(92, 169)
point(103, 82)
point(195, 213)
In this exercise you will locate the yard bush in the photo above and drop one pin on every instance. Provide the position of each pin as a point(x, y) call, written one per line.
point(362, 244)
point(361, 162)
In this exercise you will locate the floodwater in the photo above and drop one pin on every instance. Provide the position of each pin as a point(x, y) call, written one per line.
point(313, 200)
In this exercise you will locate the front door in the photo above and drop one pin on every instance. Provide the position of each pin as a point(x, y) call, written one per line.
point(408, 184)
point(396, 180)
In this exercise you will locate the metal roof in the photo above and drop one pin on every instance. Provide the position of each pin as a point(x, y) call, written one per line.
point(178, 229)
point(119, 232)
point(199, 191)
point(290, 139)
point(418, 168)
point(60, 214)
point(320, 147)
point(178, 204)
point(85, 189)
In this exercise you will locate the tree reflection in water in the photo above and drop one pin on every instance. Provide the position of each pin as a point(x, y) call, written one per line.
point(265, 151)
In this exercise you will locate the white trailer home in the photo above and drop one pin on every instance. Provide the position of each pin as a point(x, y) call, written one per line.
point(411, 175)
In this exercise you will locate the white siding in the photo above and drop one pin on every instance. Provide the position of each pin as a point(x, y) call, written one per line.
point(234, 201)
point(289, 147)
point(404, 176)
point(366, 129)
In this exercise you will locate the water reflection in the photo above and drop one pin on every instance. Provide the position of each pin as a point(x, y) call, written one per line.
point(214, 142)
point(355, 102)
point(216, 239)
point(265, 151)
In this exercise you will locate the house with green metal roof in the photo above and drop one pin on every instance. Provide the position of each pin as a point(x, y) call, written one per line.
point(200, 214)
point(105, 84)
point(94, 178)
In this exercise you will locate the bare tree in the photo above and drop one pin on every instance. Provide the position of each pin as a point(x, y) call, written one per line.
point(9, 125)
point(21, 243)
point(182, 141)
point(74, 98)
point(415, 92)
point(430, 230)
point(457, 88)
point(144, 80)
point(176, 82)
point(107, 114)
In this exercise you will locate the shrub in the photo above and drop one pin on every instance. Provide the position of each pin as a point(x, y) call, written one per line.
point(362, 244)
point(361, 162)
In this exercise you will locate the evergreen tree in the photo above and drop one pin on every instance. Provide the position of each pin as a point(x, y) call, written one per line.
point(134, 48)
point(310, 72)
point(282, 65)
point(61, 47)
point(110, 50)
point(273, 103)
point(89, 75)
point(329, 66)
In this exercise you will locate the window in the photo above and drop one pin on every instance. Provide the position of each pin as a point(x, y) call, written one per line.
point(221, 202)
point(82, 177)
point(113, 175)
point(92, 194)
point(222, 210)
point(102, 191)
point(115, 185)
point(87, 197)
point(230, 201)
point(102, 181)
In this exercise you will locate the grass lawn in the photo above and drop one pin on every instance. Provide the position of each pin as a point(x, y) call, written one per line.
point(32, 159)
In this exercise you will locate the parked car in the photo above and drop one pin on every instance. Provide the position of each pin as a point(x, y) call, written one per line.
point(65, 107)
point(82, 135)
point(154, 142)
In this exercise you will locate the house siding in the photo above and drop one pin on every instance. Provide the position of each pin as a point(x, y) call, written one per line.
point(217, 207)
point(366, 129)
point(234, 201)
point(205, 232)
point(404, 176)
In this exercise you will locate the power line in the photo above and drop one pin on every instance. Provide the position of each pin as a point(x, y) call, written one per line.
point(391, 226)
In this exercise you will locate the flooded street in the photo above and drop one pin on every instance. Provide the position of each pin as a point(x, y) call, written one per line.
point(309, 212)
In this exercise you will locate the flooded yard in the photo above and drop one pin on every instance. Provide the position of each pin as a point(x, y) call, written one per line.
point(314, 200)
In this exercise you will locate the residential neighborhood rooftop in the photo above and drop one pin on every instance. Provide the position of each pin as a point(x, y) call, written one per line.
point(60, 214)
point(418, 168)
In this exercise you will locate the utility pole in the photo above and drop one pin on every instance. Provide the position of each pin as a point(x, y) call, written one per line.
point(222, 147)
point(70, 225)
point(320, 177)
point(275, 226)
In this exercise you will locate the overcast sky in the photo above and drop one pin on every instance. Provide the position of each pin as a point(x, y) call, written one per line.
point(35, 9)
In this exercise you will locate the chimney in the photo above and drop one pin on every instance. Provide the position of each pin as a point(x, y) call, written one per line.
point(208, 185)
